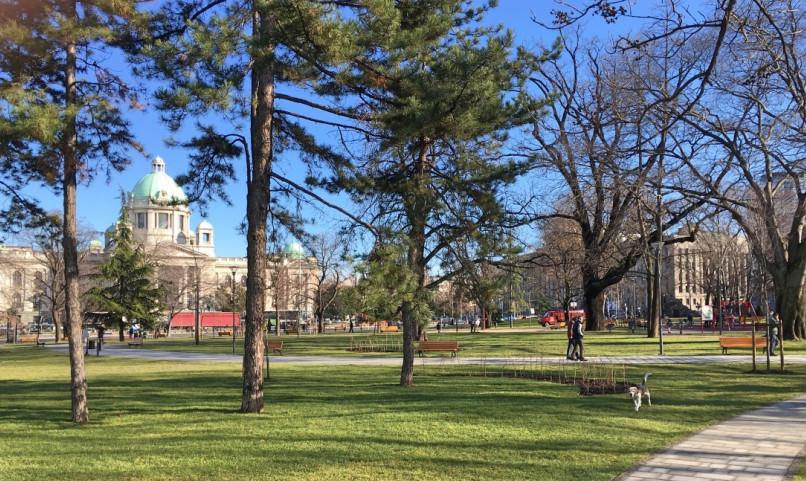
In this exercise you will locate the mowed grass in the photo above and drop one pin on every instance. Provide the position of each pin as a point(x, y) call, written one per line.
point(179, 421)
point(499, 342)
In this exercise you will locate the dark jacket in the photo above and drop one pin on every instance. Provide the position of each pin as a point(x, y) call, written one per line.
point(578, 329)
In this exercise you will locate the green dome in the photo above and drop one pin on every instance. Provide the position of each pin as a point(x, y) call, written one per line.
point(96, 243)
point(158, 186)
point(294, 250)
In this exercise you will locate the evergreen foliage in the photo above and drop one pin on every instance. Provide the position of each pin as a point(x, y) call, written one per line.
point(61, 123)
point(126, 294)
point(438, 89)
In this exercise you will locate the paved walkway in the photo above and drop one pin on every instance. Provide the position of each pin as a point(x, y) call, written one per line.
point(767, 444)
point(763, 445)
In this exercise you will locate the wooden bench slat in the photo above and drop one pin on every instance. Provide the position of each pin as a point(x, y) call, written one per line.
point(276, 346)
point(425, 346)
point(742, 342)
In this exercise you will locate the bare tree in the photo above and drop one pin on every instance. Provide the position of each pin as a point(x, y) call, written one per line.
point(755, 120)
point(602, 146)
point(329, 251)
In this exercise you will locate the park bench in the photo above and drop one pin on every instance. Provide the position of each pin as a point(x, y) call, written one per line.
point(389, 328)
point(741, 342)
point(224, 333)
point(292, 331)
point(137, 342)
point(340, 328)
point(426, 346)
point(28, 339)
point(276, 346)
point(40, 342)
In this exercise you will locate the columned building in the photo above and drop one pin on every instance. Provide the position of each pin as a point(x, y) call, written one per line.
point(187, 266)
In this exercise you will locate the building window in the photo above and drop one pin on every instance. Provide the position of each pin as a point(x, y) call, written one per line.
point(17, 278)
point(162, 221)
point(141, 220)
point(181, 222)
point(206, 237)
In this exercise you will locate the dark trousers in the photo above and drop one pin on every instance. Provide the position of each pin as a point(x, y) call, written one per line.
point(570, 350)
point(579, 349)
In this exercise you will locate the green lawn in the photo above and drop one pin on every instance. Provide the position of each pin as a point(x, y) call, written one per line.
point(179, 421)
point(494, 343)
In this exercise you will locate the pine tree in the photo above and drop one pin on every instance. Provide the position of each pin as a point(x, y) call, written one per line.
point(245, 64)
point(439, 90)
point(126, 293)
point(61, 122)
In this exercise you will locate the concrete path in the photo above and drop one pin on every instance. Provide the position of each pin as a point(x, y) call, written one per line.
point(763, 445)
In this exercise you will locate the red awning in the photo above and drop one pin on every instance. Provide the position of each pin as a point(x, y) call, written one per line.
point(207, 319)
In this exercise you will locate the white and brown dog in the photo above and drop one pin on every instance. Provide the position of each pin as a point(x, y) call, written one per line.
point(638, 392)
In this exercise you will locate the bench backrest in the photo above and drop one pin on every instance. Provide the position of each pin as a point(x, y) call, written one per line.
point(275, 344)
point(439, 345)
point(741, 341)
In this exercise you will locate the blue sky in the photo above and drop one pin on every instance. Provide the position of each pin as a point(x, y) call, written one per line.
point(99, 205)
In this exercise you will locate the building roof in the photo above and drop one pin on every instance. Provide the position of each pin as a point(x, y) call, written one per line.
point(206, 319)
point(294, 250)
point(158, 186)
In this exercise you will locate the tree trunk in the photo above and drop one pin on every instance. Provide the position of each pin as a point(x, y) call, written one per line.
point(257, 205)
point(57, 326)
point(789, 302)
point(417, 212)
point(653, 309)
point(594, 308)
point(78, 377)
point(409, 332)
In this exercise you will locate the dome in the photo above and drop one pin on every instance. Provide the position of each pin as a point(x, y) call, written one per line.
point(96, 243)
point(294, 250)
point(204, 225)
point(158, 187)
point(112, 228)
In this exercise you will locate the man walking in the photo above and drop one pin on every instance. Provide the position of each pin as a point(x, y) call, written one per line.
point(101, 330)
point(577, 337)
point(569, 329)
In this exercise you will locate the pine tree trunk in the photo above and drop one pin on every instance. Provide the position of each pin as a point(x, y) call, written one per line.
point(409, 333)
point(257, 206)
point(78, 377)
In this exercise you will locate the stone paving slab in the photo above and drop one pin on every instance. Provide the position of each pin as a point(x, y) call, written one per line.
point(762, 445)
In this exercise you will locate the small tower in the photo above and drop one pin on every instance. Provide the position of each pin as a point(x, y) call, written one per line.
point(204, 238)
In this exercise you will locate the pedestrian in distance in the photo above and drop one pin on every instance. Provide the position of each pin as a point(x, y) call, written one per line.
point(351, 326)
point(101, 330)
point(776, 321)
point(439, 327)
point(579, 349)
point(569, 328)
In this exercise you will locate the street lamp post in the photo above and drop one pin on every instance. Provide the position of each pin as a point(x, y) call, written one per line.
point(659, 252)
point(196, 323)
point(233, 269)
